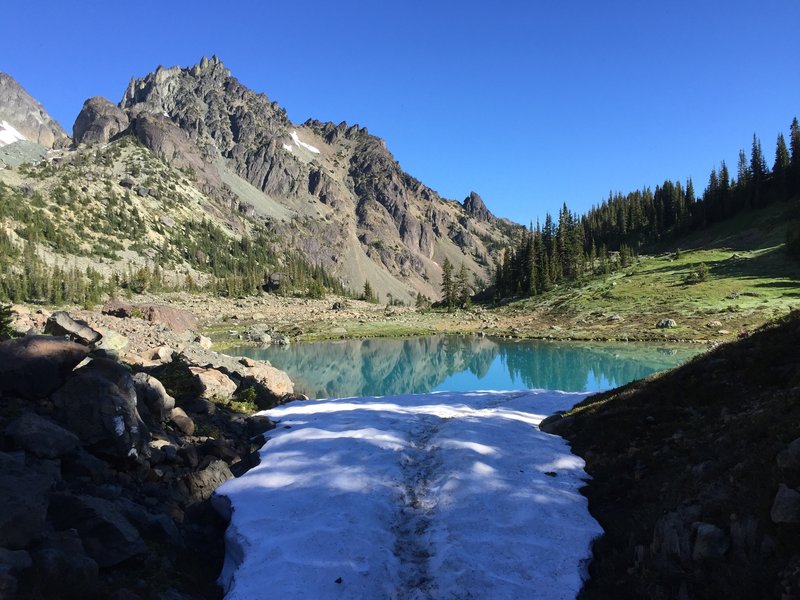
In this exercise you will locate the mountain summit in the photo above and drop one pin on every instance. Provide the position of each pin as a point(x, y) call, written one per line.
point(332, 192)
point(358, 213)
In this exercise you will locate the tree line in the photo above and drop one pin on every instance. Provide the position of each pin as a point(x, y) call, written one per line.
point(608, 236)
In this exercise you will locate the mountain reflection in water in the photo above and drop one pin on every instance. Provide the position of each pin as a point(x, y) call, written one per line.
point(381, 367)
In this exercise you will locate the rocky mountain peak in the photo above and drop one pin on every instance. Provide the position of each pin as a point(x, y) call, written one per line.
point(473, 205)
point(29, 118)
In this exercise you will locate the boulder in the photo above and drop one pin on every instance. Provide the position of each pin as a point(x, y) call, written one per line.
point(710, 542)
point(40, 437)
point(106, 534)
point(62, 567)
point(182, 421)
point(666, 324)
point(111, 340)
point(60, 323)
point(202, 483)
point(151, 392)
point(259, 424)
point(98, 122)
point(274, 381)
point(175, 319)
point(149, 524)
point(789, 459)
point(211, 383)
point(23, 502)
point(99, 404)
point(36, 365)
point(204, 342)
point(786, 506)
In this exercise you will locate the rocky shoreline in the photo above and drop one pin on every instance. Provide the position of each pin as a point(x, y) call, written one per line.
point(116, 430)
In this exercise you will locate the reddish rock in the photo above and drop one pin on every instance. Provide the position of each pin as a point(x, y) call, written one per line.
point(175, 319)
point(211, 383)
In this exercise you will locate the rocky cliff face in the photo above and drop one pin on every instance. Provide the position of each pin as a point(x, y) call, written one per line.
point(19, 109)
point(344, 197)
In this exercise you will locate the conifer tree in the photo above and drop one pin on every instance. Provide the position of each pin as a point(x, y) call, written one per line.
point(448, 288)
point(6, 331)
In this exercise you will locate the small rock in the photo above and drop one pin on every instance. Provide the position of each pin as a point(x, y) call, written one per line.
point(666, 324)
point(786, 506)
point(204, 342)
point(710, 543)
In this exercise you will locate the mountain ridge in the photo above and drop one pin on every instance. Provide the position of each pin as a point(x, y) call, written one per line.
point(335, 192)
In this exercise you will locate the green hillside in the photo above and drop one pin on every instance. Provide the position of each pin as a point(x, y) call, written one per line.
point(714, 283)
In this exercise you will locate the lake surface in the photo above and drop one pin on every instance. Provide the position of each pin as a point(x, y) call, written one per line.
point(380, 367)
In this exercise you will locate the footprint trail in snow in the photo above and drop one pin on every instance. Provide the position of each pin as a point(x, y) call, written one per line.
point(412, 497)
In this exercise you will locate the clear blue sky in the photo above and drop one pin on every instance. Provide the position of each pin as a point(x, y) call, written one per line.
point(530, 103)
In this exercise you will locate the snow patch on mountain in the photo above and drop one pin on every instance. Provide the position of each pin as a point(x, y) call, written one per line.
point(300, 144)
point(8, 134)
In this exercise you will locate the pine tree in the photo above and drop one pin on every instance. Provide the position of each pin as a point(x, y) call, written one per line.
point(782, 169)
point(464, 296)
point(368, 295)
point(794, 145)
point(448, 288)
point(6, 316)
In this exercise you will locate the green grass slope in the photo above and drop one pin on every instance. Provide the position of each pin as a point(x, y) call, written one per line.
point(750, 280)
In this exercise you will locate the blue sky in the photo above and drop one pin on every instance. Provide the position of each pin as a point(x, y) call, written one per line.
point(529, 103)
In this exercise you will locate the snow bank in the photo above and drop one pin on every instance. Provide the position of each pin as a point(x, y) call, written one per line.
point(439, 495)
point(300, 144)
point(9, 135)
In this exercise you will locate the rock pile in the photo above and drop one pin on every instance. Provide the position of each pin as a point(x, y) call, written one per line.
point(101, 462)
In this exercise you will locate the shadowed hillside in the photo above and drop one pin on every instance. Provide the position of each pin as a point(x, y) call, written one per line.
point(695, 474)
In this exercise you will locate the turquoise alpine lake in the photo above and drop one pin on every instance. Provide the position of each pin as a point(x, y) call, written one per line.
point(382, 367)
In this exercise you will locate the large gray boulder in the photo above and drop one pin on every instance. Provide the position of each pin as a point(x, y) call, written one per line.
point(36, 365)
point(23, 502)
point(60, 323)
point(40, 437)
point(106, 534)
point(99, 404)
point(152, 393)
point(202, 483)
point(98, 122)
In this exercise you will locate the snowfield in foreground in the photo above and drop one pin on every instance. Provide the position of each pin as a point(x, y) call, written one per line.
point(442, 495)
